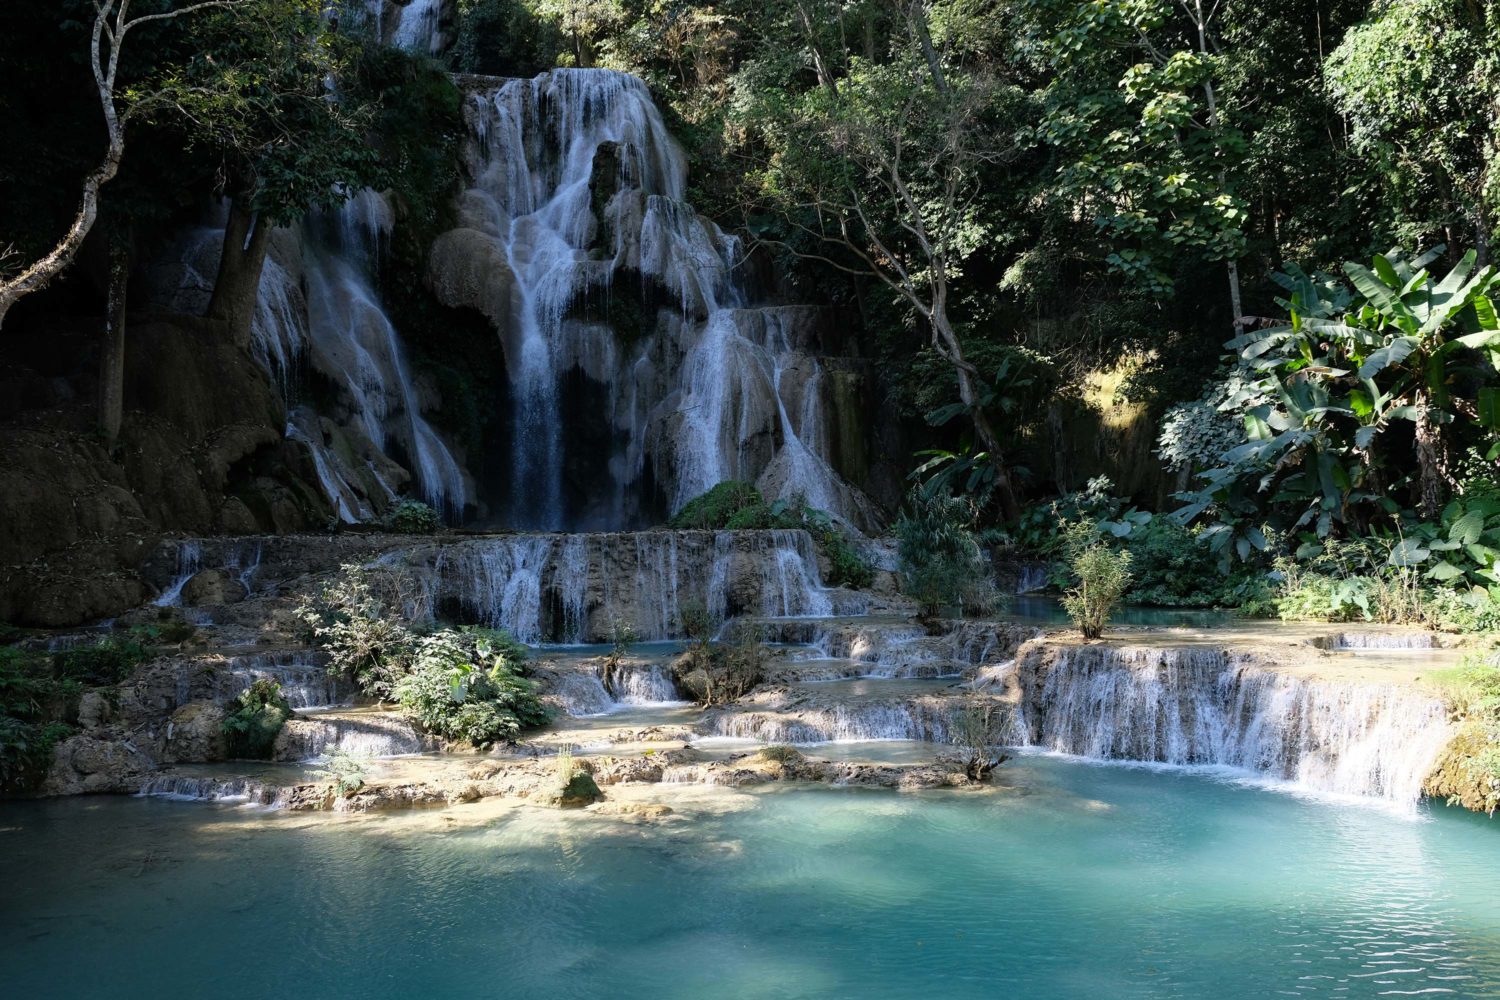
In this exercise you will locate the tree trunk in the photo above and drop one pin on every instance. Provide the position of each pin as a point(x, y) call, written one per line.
point(917, 16)
point(112, 351)
point(246, 239)
point(951, 350)
point(1432, 461)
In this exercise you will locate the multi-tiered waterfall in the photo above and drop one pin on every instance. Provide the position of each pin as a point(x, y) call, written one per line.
point(576, 241)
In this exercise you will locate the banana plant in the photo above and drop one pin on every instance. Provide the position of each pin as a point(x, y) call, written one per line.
point(1384, 344)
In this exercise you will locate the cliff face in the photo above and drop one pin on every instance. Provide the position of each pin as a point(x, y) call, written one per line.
point(200, 450)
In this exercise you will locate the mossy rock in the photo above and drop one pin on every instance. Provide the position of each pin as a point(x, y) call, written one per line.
point(780, 755)
point(581, 790)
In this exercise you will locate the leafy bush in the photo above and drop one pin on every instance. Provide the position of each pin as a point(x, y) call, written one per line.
point(359, 619)
point(721, 505)
point(26, 750)
point(260, 711)
point(448, 694)
point(1362, 397)
point(717, 673)
point(1103, 577)
point(413, 517)
point(108, 661)
point(941, 562)
point(1170, 568)
point(1043, 528)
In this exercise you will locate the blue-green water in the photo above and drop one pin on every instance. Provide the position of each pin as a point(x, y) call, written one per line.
point(1086, 882)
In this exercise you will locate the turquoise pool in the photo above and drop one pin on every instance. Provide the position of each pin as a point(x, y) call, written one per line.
point(1079, 881)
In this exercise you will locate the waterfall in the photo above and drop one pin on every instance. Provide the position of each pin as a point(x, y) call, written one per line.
point(416, 29)
point(192, 788)
point(303, 677)
point(1205, 706)
point(317, 300)
point(357, 345)
point(189, 559)
point(574, 588)
point(576, 186)
point(362, 734)
point(598, 691)
point(349, 505)
point(924, 718)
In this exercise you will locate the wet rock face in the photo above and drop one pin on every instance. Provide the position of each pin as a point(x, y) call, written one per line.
point(76, 519)
point(87, 765)
point(211, 587)
point(1464, 774)
point(194, 733)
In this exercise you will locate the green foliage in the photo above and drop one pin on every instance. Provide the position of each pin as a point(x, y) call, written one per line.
point(360, 620)
point(251, 727)
point(110, 660)
point(1103, 577)
point(1361, 387)
point(942, 563)
point(1133, 113)
point(1044, 528)
point(1171, 568)
point(468, 689)
point(721, 506)
point(720, 672)
point(412, 517)
point(1416, 81)
point(343, 772)
point(735, 506)
point(623, 635)
point(1358, 580)
point(39, 693)
point(503, 38)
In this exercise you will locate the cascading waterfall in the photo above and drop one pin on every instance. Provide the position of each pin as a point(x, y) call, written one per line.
point(711, 403)
point(1204, 706)
point(356, 343)
point(189, 560)
point(600, 691)
point(575, 588)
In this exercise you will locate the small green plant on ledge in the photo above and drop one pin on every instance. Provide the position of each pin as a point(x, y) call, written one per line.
point(343, 772)
point(1103, 577)
point(413, 517)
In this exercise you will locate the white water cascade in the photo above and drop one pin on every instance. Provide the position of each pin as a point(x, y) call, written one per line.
point(573, 588)
point(575, 187)
point(355, 343)
point(1205, 706)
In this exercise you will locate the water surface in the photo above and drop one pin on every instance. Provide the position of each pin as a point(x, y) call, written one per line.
point(1082, 881)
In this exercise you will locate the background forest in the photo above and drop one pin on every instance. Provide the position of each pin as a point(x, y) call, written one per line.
point(1221, 262)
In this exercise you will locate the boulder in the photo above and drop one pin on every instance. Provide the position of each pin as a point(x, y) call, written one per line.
point(195, 734)
point(212, 586)
point(86, 764)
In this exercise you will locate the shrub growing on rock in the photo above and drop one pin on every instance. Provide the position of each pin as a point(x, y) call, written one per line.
point(449, 694)
point(735, 506)
point(343, 772)
point(1103, 577)
point(720, 672)
point(413, 517)
point(360, 620)
point(251, 727)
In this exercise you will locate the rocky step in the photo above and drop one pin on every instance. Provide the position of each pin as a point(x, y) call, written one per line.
point(451, 781)
point(362, 733)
